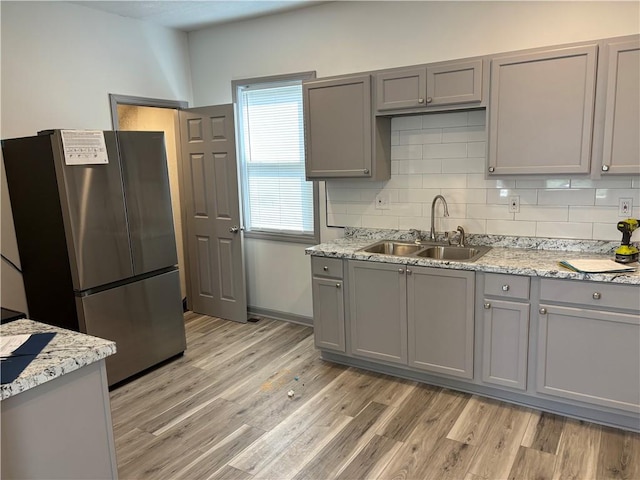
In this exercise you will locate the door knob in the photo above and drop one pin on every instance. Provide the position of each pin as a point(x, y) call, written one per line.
point(234, 229)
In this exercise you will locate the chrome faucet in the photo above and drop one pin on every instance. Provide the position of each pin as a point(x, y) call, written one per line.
point(432, 232)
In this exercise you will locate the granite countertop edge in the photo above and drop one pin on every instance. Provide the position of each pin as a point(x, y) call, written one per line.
point(66, 352)
point(515, 261)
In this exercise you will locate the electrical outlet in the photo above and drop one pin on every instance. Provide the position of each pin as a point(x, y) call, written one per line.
point(382, 201)
point(625, 206)
point(514, 203)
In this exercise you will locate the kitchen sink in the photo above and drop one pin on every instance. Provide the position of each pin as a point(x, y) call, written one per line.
point(388, 247)
point(452, 252)
point(436, 252)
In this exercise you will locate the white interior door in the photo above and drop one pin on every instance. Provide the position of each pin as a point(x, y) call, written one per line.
point(214, 238)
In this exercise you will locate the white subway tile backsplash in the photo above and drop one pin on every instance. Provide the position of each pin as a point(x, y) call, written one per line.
point(445, 153)
point(444, 150)
point(564, 230)
point(448, 119)
point(513, 228)
point(566, 197)
point(447, 180)
point(463, 165)
point(406, 123)
point(538, 213)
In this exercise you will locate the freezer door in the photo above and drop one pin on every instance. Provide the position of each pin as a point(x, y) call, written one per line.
point(148, 200)
point(144, 318)
point(93, 211)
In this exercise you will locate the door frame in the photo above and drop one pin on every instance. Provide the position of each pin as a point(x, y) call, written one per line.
point(176, 105)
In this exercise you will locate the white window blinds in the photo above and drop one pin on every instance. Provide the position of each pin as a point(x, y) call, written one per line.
point(276, 196)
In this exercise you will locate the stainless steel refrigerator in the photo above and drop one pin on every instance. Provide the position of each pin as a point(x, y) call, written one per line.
point(96, 240)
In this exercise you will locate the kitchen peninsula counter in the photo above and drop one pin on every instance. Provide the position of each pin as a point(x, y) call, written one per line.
point(502, 258)
point(56, 416)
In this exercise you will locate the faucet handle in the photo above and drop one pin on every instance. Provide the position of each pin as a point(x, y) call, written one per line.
point(461, 241)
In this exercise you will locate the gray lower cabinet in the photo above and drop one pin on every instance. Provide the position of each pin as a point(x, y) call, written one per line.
point(328, 303)
point(378, 311)
point(440, 316)
point(505, 330)
point(416, 316)
point(586, 351)
point(342, 137)
point(433, 85)
point(541, 111)
point(621, 148)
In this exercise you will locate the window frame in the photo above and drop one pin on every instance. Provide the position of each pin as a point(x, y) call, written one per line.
point(264, 234)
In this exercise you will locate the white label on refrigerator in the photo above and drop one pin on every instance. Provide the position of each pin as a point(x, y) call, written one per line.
point(84, 147)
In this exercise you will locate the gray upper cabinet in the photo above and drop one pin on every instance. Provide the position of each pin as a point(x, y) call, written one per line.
point(541, 111)
point(621, 147)
point(342, 137)
point(440, 308)
point(429, 86)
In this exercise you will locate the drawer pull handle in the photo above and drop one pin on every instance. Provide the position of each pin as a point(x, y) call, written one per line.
point(487, 306)
point(543, 311)
point(596, 296)
point(505, 288)
point(338, 285)
point(325, 268)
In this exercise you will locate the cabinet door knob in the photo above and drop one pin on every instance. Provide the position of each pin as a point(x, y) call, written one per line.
point(487, 306)
point(338, 285)
point(429, 99)
point(421, 100)
point(325, 268)
point(409, 272)
point(596, 296)
point(605, 168)
point(400, 271)
point(505, 288)
point(365, 171)
point(543, 311)
point(492, 169)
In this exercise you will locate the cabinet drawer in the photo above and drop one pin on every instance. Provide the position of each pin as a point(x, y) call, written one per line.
point(593, 294)
point(326, 267)
point(506, 286)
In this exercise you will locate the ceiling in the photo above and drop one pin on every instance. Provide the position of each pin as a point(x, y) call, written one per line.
point(190, 15)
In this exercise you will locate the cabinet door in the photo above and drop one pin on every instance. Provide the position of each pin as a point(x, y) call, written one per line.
point(621, 151)
point(505, 338)
point(541, 111)
point(454, 83)
point(401, 89)
point(338, 127)
point(378, 311)
point(440, 306)
point(328, 314)
point(589, 355)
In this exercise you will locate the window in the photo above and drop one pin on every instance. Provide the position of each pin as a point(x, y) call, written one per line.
point(278, 203)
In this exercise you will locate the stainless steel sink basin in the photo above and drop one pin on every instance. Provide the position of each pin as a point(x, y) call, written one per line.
point(436, 252)
point(389, 247)
point(468, 254)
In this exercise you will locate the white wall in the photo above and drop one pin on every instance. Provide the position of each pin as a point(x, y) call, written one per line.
point(59, 62)
point(346, 37)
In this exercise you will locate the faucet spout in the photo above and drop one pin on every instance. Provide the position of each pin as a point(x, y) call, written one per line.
point(432, 232)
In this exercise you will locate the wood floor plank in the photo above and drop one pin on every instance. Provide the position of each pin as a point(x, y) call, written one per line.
point(543, 432)
point(578, 451)
point(371, 460)
point(331, 458)
point(476, 418)
point(434, 422)
point(497, 450)
point(182, 421)
point(532, 463)
point(619, 455)
point(405, 419)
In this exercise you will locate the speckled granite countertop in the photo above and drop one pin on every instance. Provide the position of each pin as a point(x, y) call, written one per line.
point(508, 255)
point(67, 351)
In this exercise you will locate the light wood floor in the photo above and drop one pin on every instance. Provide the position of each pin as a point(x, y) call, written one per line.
point(222, 411)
